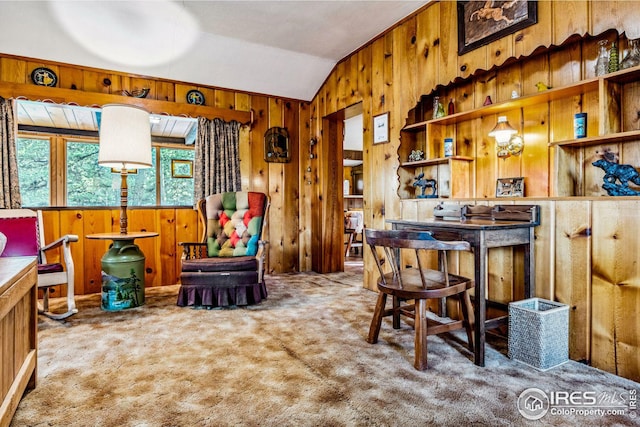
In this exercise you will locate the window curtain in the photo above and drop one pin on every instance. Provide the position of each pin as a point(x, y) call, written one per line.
point(9, 186)
point(217, 162)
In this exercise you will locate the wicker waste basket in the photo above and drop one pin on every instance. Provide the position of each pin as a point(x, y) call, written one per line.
point(539, 332)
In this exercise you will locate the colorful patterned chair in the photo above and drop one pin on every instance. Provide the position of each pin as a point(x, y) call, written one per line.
point(227, 267)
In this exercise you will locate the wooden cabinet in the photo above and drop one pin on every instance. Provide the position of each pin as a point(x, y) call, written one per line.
point(613, 130)
point(18, 324)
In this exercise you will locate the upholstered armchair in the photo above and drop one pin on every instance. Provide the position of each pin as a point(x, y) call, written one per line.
point(226, 268)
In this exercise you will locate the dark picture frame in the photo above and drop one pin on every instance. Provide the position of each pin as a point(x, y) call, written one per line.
point(276, 145)
point(381, 128)
point(181, 168)
point(479, 25)
point(510, 187)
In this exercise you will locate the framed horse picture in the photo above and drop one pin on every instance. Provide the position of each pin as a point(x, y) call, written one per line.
point(481, 22)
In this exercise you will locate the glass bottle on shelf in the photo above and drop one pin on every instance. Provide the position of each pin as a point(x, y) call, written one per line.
point(632, 58)
point(614, 64)
point(602, 63)
point(438, 109)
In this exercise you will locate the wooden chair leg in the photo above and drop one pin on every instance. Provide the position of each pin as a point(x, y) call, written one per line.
point(468, 318)
point(376, 322)
point(396, 312)
point(420, 343)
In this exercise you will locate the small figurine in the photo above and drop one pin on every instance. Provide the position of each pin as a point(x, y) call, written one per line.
point(621, 173)
point(423, 183)
point(487, 101)
point(416, 156)
point(542, 87)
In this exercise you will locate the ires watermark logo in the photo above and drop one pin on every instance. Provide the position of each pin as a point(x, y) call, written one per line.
point(534, 403)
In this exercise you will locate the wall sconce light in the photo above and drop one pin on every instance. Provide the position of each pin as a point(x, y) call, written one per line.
point(507, 140)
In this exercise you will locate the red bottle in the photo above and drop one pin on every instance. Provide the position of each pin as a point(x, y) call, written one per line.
point(452, 108)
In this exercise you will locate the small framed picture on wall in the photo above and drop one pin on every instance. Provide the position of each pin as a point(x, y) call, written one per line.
point(381, 128)
point(510, 187)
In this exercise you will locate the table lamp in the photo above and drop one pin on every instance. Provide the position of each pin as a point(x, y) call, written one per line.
point(125, 143)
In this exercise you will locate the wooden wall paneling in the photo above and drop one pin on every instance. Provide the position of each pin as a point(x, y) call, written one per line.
point(93, 81)
point(165, 91)
point(245, 152)
point(365, 61)
point(614, 14)
point(535, 157)
point(566, 66)
point(545, 242)
point(508, 78)
point(499, 51)
point(405, 95)
point(305, 183)
point(472, 61)
point(277, 223)
point(485, 84)
point(572, 253)
point(463, 97)
point(396, 106)
point(534, 70)
point(569, 18)
point(72, 222)
point(448, 47)
point(568, 179)
point(616, 287)
point(14, 71)
point(630, 114)
point(95, 221)
point(352, 94)
point(534, 36)
point(314, 191)
point(382, 74)
point(224, 99)
point(486, 162)
point(259, 179)
point(71, 78)
point(167, 248)
point(32, 65)
point(340, 94)
point(331, 256)
point(243, 103)
point(427, 48)
point(291, 190)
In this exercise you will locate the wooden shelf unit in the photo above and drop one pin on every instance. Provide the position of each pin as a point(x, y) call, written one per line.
point(613, 126)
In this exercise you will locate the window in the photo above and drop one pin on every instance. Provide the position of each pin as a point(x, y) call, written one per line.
point(82, 182)
point(34, 169)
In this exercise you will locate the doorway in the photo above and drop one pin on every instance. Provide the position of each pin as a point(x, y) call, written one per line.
point(353, 188)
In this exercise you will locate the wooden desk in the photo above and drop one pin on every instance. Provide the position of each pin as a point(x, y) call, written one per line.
point(482, 235)
point(19, 326)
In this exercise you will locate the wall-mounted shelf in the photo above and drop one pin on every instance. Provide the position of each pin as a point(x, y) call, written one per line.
point(618, 137)
point(437, 161)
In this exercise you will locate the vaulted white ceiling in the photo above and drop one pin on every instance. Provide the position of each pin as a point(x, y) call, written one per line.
point(281, 48)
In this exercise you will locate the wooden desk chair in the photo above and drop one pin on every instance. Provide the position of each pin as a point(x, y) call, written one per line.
point(353, 226)
point(417, 284)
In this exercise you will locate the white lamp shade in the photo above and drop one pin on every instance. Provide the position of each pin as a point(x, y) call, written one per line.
point(503, 131)
point(125, 137)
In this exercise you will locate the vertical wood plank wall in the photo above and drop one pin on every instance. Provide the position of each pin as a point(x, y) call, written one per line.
point(578, 245)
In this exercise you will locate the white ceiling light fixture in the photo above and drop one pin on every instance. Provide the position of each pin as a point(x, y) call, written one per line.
point(132, 33)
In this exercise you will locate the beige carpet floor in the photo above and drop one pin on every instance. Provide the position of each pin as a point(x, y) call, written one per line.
point(298, 359)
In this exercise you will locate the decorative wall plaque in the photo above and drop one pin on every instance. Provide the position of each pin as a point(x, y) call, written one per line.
point(276, 145)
